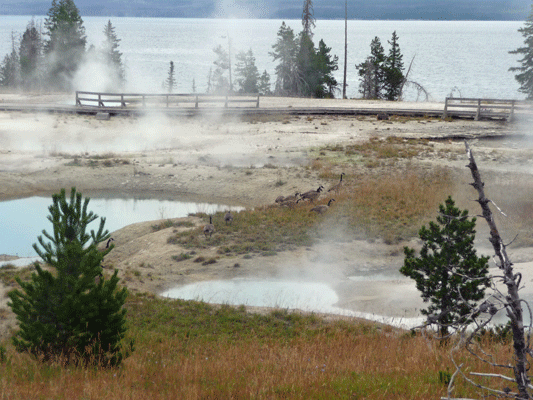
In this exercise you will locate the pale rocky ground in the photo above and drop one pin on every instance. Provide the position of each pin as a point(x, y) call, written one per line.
point(238, 161)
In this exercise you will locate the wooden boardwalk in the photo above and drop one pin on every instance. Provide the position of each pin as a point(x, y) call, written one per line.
point(92, 103)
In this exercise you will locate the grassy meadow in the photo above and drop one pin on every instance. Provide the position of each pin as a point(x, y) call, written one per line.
point(192, 350)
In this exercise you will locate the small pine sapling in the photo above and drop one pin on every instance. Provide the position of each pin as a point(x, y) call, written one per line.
point(448, 272)
point(68, 312)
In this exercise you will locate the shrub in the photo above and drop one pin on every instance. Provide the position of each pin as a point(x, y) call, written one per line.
point(71, 314)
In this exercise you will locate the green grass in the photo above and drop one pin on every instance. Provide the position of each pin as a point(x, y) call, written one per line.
point(189, 350)
point(253, 231)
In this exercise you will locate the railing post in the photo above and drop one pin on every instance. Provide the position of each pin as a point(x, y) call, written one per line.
point(445, 113)
point(196, 103)
point(511, 113)
point(226, 103)
point(122, 102)
point(257, 105)
point(144, 101)
point(478, 112)
point(100, 103)
point(78, 102)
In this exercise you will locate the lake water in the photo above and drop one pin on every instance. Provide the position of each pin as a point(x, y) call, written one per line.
point(23, 220)
point(470, 58)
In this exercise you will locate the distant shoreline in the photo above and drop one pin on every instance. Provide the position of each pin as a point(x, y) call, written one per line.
point(43, 15)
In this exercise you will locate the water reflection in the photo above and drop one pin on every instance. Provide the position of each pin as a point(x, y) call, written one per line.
point(23, 220)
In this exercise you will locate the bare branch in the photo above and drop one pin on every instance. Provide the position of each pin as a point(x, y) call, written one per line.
point(513, 302)
point(498, 208)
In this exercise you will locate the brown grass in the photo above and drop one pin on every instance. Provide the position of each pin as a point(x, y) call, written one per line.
point(391, 206)
point(189, 350)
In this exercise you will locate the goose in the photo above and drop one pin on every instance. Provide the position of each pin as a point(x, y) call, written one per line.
point(228, 218)
point(292, 198)
point(209, 228)
point(282, 199)
point(321, 209)
point(279, 199)
point(290, 203)
point(312, 195)
point(337, 187)
point(108, 244)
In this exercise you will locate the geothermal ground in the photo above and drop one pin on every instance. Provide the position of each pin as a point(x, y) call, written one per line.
point(249, 161)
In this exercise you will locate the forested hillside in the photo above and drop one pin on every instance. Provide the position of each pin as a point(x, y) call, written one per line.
point(288, 9)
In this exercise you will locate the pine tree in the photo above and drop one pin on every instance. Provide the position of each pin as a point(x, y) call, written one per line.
point(219, 83)
point(285, 52)
point(170, 82)
point(10, 67)
point(307, 77)
point(112, 56)
point(524, 74)
point(371, 71)
point(302, 69)
point(65, 46)
point(30, 53)
point(308, 18)
point(264, 84)
point(68, 312)
point(448, 273)
point(246, 72)
point(393, 71)
point(325, 64)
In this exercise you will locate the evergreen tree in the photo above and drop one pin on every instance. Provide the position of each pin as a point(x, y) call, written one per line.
point(285, 51)
point(372, 71)
point(170, 82)
point(524, 74)
point(307, 76)
point(264, 84)
point(10, 67)
point(393, 71)
point(219, 82)
point(31, 57)
point(448, 272)
point(308, 18)
point(367, 72)
point(246, 72)
point(71, 313)
point(302, 69)
point(325, 64)
point(65, 46)
point(112, 56)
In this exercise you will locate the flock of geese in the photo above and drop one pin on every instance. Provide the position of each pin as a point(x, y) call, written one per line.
point(289, 201)
point(311, 196)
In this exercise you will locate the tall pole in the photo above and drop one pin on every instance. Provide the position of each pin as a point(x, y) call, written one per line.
point(345, 47)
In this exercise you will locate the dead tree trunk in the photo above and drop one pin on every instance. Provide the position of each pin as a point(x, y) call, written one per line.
point(513, 305)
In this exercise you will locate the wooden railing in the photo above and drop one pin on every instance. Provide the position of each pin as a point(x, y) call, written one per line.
point(128, 100)
point(482, 108)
